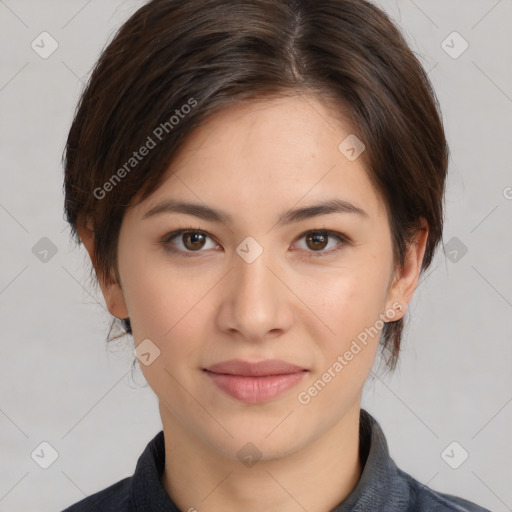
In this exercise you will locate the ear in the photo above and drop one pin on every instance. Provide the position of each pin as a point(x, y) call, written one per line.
point(406, 279)
point(111, 289)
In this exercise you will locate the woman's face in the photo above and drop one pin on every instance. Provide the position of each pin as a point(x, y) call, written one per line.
point(258, 284)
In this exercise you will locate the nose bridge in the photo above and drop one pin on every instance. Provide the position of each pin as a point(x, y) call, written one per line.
point(254, 282)
point(255, 302)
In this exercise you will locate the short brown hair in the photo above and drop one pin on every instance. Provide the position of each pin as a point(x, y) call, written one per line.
point(209, 54)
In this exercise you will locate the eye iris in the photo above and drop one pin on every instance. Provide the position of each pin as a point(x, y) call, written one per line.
point(317, 238)
point(194, 237)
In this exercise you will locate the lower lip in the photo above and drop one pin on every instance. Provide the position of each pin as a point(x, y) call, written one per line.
point(255, 390)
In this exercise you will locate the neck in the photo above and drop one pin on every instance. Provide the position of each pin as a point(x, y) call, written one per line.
point(316, 477)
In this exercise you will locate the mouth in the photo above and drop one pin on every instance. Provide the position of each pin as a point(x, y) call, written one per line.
point(255, 382)
point(264, 368)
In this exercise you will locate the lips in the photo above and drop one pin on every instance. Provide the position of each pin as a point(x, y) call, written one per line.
point(257, 369)
point(255, 382)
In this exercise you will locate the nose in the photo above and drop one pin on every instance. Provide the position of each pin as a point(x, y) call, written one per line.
point(255, 302)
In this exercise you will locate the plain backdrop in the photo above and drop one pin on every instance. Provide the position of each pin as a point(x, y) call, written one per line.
point(61, 385)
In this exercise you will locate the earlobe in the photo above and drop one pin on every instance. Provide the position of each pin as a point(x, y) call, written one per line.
point(86, 234)
point(114, 298)
point(406, 278)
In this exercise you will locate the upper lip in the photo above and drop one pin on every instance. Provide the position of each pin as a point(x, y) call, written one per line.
point(256, 369)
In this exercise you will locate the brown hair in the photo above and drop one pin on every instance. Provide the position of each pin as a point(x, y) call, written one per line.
point(176, 62)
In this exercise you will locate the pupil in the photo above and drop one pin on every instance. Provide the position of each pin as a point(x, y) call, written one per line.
point(194, 237)
point(318, 238)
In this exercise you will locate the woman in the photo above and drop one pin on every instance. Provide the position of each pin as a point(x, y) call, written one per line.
point(259, 185)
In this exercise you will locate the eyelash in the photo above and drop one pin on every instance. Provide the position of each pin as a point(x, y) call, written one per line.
point(168, 238)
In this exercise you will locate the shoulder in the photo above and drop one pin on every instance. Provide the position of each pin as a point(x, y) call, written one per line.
point(141, 491)
point(425, 498)
point(112, 499)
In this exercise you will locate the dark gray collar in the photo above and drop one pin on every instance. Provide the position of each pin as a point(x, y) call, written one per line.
point(381, 487)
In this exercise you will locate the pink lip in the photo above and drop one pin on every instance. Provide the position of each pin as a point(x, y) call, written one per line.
point(255, 382)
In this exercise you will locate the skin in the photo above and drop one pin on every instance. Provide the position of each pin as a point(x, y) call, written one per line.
point(255, 161)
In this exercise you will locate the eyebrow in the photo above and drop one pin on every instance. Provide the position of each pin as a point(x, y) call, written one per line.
point(211, 214)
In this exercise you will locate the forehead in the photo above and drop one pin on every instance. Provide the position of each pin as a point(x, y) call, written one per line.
point(297, 124)
point(267, 152)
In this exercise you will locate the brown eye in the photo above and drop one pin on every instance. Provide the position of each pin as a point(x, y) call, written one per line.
point(317, 241)
point(188, 242)
point(193, 240)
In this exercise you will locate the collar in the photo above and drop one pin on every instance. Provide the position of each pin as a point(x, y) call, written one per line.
point(379, 477)
point(381, 486)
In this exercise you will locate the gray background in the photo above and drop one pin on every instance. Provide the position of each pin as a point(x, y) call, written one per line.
point(60, 384)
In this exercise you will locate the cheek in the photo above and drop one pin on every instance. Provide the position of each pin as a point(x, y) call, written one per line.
point(172, 306)
point(350, 301)
point(351, 297)
point(152, 286)
point(165, 306)
point(350, 306)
